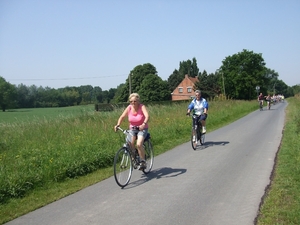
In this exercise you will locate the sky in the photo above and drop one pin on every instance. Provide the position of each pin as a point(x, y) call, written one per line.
point(61, 43)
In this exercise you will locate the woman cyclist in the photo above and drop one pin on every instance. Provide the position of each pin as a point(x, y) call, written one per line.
point(200, 107)
point(138, 118)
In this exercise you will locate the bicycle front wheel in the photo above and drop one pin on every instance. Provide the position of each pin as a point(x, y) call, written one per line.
point(122, 167)
point(202, 139)
point(194, 139)
point(149, 156)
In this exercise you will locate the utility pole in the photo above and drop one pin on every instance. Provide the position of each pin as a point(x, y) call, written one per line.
point(221, 72)
point(129, 77)
point(223, 83)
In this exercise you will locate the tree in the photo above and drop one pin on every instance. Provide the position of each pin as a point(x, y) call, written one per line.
point(208, 84)
point(281, 88)
point(86, 93)
point(23, 97)
point(296, 89)
point(118, 92)
point(174, 80)
point(185, 67)
point(271, 80)
point(98, 94)
point(33, 95)
point(242, 73)
point(71, 97)
point(135, 79)
point(8, 94)
point(111, 94)
point(189, 67)
point(153, 88)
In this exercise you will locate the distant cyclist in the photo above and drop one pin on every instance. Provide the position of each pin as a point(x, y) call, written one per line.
point(261, 99)
point(200, 107)
point(268, 99)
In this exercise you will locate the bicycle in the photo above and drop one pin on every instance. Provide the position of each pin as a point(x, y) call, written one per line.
point(197, 134)
point(261, 105)
point(269, 104)
point(126, 159)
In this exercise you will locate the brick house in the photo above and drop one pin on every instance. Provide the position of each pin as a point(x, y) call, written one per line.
point(185, 90)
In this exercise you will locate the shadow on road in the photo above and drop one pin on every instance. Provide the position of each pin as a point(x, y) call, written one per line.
point(211, 143)
point(165, 172)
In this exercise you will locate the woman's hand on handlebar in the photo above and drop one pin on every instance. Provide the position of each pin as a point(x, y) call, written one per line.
point(116, 128)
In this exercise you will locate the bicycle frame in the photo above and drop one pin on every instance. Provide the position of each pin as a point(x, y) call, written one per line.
point(269, 104)
point(196, 127)
point(196, 132)
point(261, 102)
point(135, 158)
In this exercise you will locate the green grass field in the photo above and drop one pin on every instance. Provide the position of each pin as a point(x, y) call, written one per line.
point(46, 154)
point(28, 115)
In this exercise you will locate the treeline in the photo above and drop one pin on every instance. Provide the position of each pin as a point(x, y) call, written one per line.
point(36, 97)
point(241, 76)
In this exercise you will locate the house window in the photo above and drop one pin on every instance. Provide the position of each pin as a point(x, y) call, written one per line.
point(180, 90)
point(189, 90)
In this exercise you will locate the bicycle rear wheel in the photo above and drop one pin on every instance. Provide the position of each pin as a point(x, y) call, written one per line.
point(122, 167)
point(194, 139)
point(149, 156)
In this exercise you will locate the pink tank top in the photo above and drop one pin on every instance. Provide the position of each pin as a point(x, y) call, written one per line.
point(136, 119)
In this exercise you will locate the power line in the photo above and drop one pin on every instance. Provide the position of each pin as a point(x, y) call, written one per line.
point(74, 78)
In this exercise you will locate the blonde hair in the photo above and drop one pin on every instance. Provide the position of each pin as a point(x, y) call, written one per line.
point(136, 95)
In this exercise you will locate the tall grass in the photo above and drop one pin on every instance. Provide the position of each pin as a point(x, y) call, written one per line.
point(37, 152)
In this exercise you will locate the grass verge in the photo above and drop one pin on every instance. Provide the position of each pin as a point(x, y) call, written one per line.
point(281, 204)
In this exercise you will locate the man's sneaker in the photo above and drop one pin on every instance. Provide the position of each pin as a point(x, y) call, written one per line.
point(143, 165)
point(203, 130)
point(194, 138)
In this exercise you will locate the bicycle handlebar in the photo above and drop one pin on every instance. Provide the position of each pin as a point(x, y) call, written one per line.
point(189, 114)
point(124, 131)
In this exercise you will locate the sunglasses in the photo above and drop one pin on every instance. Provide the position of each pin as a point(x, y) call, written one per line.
point(132, 101)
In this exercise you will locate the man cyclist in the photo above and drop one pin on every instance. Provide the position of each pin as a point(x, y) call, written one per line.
point(200, 107)
point(268, 99)
point(261, 99)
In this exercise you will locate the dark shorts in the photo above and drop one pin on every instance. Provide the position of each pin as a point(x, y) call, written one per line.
point(197, 119)
point(203, 117)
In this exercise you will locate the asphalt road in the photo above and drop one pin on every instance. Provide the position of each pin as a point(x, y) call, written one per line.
point(221, 182)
